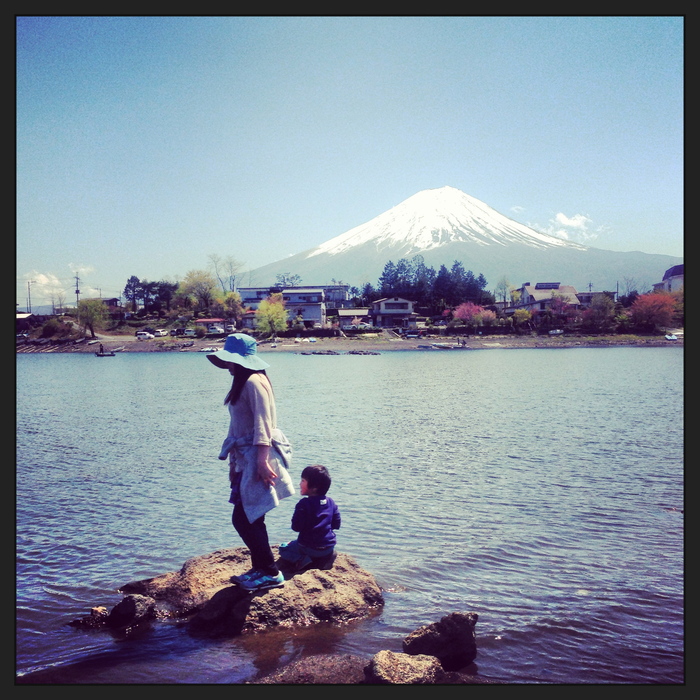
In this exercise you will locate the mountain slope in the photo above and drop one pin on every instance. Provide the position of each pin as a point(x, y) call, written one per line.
point(435, 218)
point(444, 225)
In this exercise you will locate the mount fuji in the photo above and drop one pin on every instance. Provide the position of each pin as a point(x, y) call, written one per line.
point(443, 225)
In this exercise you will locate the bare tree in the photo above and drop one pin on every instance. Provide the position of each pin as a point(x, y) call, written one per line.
point(226, 270)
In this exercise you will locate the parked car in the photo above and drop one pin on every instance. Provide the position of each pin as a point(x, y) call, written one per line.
point(142, 335)
point(160, 333)
point(230, 328)
point(190, 332)
point(177, 331)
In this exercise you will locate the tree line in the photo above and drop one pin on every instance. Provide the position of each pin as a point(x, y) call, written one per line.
point(434, 291)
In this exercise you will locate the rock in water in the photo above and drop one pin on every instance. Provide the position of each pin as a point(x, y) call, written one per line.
point(452, 640)
point(202, 590)
point(390, 668)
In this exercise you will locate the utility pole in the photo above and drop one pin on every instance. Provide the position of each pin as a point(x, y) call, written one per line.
point(29, 295)
point(77, 292)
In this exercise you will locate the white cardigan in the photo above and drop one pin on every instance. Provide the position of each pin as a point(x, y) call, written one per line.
point(258, 498)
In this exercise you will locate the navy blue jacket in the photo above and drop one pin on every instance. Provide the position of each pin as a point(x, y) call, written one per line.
point(315, 518)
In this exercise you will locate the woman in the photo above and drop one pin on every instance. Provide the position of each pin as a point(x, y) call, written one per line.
point(258, 454)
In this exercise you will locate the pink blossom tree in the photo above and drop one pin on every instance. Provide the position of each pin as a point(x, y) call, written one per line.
point(469, 313)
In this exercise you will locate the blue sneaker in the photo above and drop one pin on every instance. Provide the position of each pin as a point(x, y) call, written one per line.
point(251, 573)
point(262, 581)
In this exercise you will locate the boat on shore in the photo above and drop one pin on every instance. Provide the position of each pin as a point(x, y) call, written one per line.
point(450, 346)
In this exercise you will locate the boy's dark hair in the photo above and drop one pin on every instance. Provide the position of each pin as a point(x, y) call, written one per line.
point(318, 478)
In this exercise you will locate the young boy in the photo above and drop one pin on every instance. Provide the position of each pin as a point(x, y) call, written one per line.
point(315, 518)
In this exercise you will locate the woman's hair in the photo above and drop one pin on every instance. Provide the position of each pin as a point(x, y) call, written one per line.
point(240, 377)
point(318, 478)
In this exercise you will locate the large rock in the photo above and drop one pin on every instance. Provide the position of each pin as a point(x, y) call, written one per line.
point(202, 591)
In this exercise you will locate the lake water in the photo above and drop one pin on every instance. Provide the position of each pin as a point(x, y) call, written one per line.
point(541, 489)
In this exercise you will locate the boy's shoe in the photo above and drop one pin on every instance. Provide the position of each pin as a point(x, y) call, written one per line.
point(262, 581)
point(251, 573)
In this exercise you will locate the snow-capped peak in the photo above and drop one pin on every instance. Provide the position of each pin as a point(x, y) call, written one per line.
point(434, 218)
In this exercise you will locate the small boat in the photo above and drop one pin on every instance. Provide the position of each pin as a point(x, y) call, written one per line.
point(450, 346)
point(104, 354)
point(671, 337)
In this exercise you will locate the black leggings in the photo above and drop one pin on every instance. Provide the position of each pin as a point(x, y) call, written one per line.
point(254, 536)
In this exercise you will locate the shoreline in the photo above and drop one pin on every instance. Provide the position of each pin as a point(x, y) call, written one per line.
point(368, 344)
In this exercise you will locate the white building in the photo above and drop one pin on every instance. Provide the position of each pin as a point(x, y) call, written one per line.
point(309, 302)
point(672, 281)
point(394, 312)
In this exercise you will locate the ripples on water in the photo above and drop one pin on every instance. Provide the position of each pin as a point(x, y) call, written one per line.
point(541, 489)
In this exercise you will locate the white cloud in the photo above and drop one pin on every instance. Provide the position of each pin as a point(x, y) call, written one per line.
point(574, 228)
point(577, 221)
point(80, 269)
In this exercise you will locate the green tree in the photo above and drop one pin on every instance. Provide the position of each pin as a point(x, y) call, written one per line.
point(503, 288)
point(522, 317)
point(92, 314)
point(442, 289)
point(132, 291)
point(233, 307)
point(600, 315)
point(164, 293)
point(387, 280)
point(146, 292)
point(201, 287)
point(271, 315)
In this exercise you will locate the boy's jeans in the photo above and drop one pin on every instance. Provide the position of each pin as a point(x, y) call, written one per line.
point(300, 556)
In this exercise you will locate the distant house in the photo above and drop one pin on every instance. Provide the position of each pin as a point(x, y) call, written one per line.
point(585, 298)
point(23, 322)
point(672, 281)
point(537, 297)
point(394, 312)
point(307, 303)
point(310, 302)
point(349, 317)
point(248, 320)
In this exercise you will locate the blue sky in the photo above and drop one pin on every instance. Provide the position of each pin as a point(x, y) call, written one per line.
point(147, 144)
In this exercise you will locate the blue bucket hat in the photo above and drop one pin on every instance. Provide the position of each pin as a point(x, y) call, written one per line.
point(239, 349)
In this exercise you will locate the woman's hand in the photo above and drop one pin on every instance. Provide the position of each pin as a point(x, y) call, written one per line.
point(265, 471)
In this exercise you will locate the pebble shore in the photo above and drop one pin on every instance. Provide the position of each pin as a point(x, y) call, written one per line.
point(366, 344)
